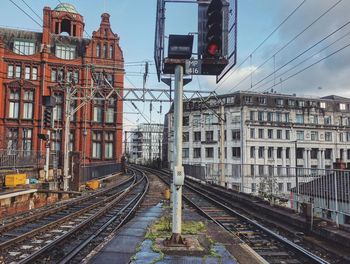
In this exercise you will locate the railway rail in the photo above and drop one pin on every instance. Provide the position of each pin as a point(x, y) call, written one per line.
point(266, 242)
point(69, 233)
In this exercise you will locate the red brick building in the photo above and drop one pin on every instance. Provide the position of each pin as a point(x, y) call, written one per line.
point(33, 63)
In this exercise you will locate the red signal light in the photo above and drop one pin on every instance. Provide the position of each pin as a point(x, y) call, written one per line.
point(213, 48)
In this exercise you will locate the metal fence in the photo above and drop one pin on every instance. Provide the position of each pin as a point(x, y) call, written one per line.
point(94, 171)
point(327, 190)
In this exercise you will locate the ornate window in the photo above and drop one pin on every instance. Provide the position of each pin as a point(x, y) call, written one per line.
point(27, 141)
point(98, 111)
point(58, 109)
point(110, 111)
point(65, 52)
point(111, 51)
point(98, 51)
point(96, 145)
point(105, 54)
point(24, 47)
point(109, 142)
point(14, 104)
point(10, 71)
point(28, 104)
point(12, 140)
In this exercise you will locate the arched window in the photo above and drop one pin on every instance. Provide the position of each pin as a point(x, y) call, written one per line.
point(111, 51)
point(98, 51)
point(105, 51)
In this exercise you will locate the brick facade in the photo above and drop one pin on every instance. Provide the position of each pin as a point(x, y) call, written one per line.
point(32, 64)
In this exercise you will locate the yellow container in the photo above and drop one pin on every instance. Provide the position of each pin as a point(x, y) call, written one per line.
point(93, 185)
point(167, 194)
point(12, 180)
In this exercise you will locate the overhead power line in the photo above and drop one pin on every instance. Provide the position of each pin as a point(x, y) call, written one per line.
point(288, 43)
point(262, 43)
point(20, 8)
point(309, 66)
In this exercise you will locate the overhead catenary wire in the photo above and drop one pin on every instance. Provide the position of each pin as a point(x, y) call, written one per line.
point(311, 65)
point(288, 43)
point(262, 43)
point(302, 53)
point(306, 59)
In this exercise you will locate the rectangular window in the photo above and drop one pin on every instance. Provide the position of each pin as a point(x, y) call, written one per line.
point(197, 136)
point(56, 141)
point(27, 141)
point(261, 152)
point(270, 133)
point(186, 121)
point(65, 52)
point(313, 153)
point(280, 185)
point(279, 102)
point(300, 153)
point(270, 116)
point(299, 119)
point(252, 115)
point(286, 117)
point(328, 154)
point(313, 119)
point(341, 137)
point(10, 71)
point(58, 109)
point(76, 77)
point(186, 136)
point(12, 140)
point(18, 72)
point(252, 152)
point(291, 102)
point(28, 105)
point(261, 116)
point(287, 153)
point(323, 105)
point(301, 103)
point(261, 133)
point(236, 135)
point(98, 111)
point(24, 47)
point(185, 153)
point(252, 133)
point(261, 170)
point(196, 120)
point(196, 153)
point(328, 136)
point(34, 73)
point(209, 136)
point(289, 186)
point(14, 105)
point(262, 100)
point(109, 145)
point(279, 134)
point(209, 152)
point(53, 75)
point(342, 107)
point(96, 145)
point(300, 135)
point(314, 135)
point(236, 152)
point(287, 134)
point(279, 117)
point(248, 99)
point(208, 119)
point(270, 152)
point(279, 153)
point(27, 73)
point(110, 111)
point(327, 120)
point(71, 141)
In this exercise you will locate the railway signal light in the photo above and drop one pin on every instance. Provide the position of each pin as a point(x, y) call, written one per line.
point(214, 28)
point(48, 117)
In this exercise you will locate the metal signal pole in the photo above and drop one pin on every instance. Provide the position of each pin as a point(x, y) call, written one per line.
point(178, 172)
point(66, 175)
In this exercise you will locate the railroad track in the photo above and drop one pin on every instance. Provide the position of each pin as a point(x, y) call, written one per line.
point(71, 237)
point(267, 243)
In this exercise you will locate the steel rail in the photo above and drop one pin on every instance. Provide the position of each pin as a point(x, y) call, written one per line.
point(139, 198)
point(284, 240)
point(43, 213)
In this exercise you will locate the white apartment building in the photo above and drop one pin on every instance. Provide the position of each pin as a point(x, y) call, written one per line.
point(145, 143)
point(267, 136)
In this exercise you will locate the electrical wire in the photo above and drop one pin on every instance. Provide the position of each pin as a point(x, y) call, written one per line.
point(311, 65)
point(302, 53)
point(262, 43)
point(306, 59)
point(288, 43)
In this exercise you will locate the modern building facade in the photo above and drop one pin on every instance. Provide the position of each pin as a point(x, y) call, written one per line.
point(36, 64)
point(145, 144)
point(267, 137)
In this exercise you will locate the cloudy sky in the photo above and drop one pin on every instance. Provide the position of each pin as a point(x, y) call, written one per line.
point(311, 21)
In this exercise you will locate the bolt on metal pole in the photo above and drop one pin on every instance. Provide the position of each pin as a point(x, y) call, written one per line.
point(177, 189)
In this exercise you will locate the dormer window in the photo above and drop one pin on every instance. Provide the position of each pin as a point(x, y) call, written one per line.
point(24, 47)
point(65, 52)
